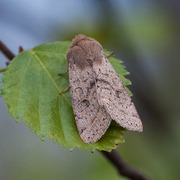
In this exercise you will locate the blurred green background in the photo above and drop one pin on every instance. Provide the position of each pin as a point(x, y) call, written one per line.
point(142, 33)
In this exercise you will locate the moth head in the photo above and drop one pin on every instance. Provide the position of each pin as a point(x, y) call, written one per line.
point(84, 51)
point(79, 38)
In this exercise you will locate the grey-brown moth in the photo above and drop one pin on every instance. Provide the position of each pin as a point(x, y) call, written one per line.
point(98, 94)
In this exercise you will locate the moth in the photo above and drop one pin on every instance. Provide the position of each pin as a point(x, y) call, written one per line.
point(98, 94)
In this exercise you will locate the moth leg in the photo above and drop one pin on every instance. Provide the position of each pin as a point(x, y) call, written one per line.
point(109, 55)
point(65, 90)
point(62, 74)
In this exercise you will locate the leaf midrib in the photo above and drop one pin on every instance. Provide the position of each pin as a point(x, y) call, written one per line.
point(44, 67)
point(47, 52)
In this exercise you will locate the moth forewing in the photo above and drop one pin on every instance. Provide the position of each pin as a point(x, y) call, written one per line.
point(114, 97)
point(92, 120)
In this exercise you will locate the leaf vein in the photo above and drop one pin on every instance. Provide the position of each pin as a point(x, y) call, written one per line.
point(44, 67)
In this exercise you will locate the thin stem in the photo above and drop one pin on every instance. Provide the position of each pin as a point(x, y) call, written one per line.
point(2, 70)
point(123, 168)
point(5, 50)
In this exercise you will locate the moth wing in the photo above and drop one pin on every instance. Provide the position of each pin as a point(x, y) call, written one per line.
point(92, 120)
point(114, 97)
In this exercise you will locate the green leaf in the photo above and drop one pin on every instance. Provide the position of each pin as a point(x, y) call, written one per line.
point(31, 91)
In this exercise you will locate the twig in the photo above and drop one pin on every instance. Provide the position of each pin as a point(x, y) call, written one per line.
point(21, 49)
point(3, 69)
point(123, 168)
point(6, 51)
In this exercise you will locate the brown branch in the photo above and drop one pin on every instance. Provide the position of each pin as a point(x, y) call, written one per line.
point(21, 49)
point(123, 168)
point(5, 50)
